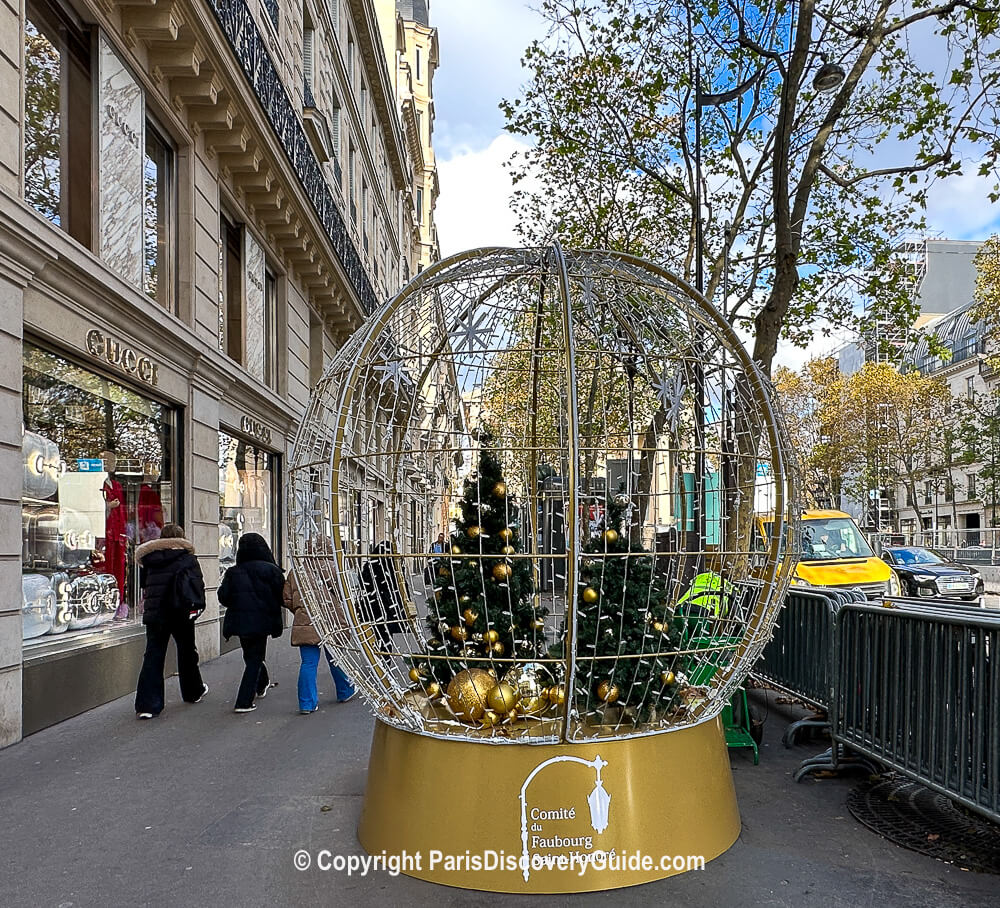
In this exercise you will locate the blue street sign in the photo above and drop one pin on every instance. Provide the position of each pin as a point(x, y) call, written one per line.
point(90, 465)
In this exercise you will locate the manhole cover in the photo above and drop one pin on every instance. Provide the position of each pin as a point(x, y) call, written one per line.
point(923, 820)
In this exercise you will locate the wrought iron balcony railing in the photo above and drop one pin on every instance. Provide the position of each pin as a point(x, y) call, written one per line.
point(248, 47)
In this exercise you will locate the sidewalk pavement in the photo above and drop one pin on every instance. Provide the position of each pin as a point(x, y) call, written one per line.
point(204, 807)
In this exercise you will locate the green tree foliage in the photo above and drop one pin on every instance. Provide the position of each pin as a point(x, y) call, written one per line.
point(987, 308)
point(813, 186)
point(619, 642)
point(473, 596)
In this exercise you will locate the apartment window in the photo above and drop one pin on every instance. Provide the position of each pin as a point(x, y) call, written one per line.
point(350, 182)
point(231, 289)
point(158, 219)
point(364, 102)
point(970, 387)
point(335, 127)
point(364, 213)
point(350, 58)
point(57, 119)
point(972, 492)
point(308, 52)
point(949, 489)
point(418, 65)
point(420, 206)
point(928, 492)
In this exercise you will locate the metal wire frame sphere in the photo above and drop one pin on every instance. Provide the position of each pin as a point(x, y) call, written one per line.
point(636, 442)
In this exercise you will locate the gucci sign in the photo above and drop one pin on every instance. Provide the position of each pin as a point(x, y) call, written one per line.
point(121, 357)
point(255, 429)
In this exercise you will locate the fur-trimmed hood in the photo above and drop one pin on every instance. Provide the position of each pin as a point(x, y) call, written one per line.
point(163, 545)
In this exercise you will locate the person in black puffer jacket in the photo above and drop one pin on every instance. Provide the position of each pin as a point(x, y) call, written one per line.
point(173, 598)
point(251, 591)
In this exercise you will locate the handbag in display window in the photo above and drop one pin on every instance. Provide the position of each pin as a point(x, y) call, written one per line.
point(64, 607)
point(41, 465)
point(42, 545)
point(38, 608)
point(89, 597)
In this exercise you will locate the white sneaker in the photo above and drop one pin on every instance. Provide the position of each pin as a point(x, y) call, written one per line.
point(245, 709)
point(144, 715)
point(203, 692)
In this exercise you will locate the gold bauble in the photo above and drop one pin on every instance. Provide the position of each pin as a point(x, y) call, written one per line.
point(458, 633)
point(455, 550)
point(491, 636)
point(538, 624)
point(416, 674)
point(658, 626)
point(506, 534)
point(497, 648)
point(509, 550)
point(433, 689)
point(667, 677)
point(502, 698)
point(467, 693)
point(464, 599)
point(473, 532)
point(471, 563)
point(610, 536)
point(489, 718)
point(556, 695)
point(469, 616)
point(607, 691)
point(500, 489)
point(590, 595)
point(531, 681)
point(501, 572)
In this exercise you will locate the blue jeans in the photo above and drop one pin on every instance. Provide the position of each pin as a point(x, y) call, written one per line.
point(308, 695)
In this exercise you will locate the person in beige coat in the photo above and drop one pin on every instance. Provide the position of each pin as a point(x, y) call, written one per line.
point(307, 639)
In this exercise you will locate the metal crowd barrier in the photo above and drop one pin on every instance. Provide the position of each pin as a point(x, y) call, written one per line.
point(799, 657)
point(917, 689)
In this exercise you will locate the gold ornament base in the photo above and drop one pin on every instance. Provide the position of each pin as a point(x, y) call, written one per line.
point(538, 818)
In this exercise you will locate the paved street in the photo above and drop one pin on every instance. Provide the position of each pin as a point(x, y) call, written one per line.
point(203, 807)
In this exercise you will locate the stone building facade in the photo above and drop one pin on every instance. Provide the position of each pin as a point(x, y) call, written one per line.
point(199, 202)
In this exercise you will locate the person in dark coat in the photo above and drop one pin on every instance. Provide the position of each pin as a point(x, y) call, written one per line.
point(252, 591)
point(385, 604)
point(173, 598)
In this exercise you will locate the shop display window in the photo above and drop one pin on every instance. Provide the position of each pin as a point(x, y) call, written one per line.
point(99, 467)
point(247, 496)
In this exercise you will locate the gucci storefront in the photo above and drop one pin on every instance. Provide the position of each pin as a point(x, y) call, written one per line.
point(102, 473)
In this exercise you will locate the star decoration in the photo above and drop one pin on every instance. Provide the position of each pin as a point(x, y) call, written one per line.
point(306, 512)
point(391, 371)
point(670, 390)
point(469, 331)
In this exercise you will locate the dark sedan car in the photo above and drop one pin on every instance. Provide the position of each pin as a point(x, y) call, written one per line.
point(925, 573)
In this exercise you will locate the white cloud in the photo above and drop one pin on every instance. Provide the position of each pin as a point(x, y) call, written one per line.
point(960, 207)
point(474, 206)
point(481, 47)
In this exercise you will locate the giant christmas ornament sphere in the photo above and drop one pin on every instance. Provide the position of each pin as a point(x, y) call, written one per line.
point(638, 447)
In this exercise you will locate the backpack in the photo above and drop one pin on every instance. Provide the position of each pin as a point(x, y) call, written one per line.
point(188, 591)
